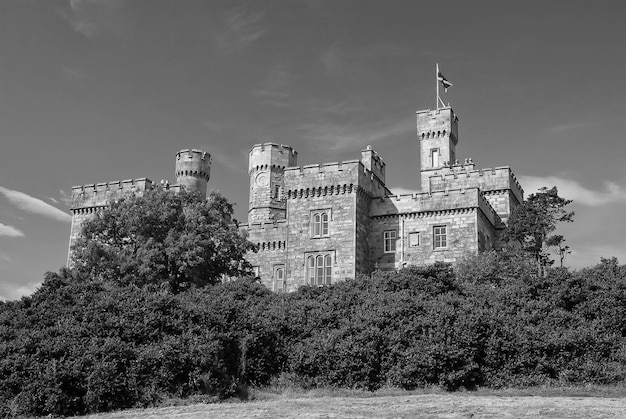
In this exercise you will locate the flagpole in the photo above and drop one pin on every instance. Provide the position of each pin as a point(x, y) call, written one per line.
point(437, 83)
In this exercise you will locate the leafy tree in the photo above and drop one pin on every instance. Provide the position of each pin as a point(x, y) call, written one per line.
point(163, 237)
point(532, 223)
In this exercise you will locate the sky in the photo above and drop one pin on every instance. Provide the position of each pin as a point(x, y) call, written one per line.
point(103, 90)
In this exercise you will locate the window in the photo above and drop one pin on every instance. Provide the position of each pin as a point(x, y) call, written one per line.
point(440, 238)
point(319, 223)
point(277, 192)
point(319, 269)
point(414, 239)
point(255, 271)
point(389, 241)
point(434, 157)
point(279, 278)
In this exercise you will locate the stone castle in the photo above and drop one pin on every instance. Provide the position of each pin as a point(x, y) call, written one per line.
point(322, 223)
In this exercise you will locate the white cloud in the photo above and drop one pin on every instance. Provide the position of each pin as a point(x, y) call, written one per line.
point(9, 231)
point(34, 205)
point(570, 189)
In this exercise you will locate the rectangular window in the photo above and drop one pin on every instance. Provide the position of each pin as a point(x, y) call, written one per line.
point(440, 237)
point(434, 157)
point(389, 241)
point(320, 223)
point(414, 239)
point(279, 278)
point(255, 271)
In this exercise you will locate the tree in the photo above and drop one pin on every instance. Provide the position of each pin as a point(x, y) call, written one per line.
point(163, 237)
point(532, 223)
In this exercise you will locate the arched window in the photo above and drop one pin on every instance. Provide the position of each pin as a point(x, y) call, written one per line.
point(319, 223)
point(319, 269)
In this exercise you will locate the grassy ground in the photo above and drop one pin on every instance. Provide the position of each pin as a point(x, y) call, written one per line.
point(582, 402)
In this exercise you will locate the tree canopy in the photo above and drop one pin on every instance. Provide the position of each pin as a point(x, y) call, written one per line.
point(532, 223)
point(163, 237)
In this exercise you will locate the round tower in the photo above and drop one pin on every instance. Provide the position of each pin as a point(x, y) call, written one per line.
point(193, 170)
point(266, 167)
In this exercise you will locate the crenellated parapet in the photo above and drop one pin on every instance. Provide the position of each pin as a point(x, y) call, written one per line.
point(336, 178)
point(433, 203)
point(102, 194)
point(492, 179)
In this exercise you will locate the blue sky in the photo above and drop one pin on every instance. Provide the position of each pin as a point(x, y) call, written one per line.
point(104, 90)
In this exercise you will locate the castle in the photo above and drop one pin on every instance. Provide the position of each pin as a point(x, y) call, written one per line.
point(322, 223)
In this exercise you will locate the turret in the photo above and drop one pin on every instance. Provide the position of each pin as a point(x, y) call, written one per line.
point(193, 170)
point(372, 162)
point(437, 132)
point(267, 163)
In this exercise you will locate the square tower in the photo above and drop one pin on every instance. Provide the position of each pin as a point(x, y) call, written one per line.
point(437, 131)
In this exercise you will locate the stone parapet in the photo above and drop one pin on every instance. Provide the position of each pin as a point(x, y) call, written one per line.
point(102, 194)
point(435, 202)
point(498, 178)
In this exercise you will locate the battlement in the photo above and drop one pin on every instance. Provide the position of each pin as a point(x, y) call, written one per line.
point(194, 153)
point(334, 167)
point(437, 123)
point(373, 162)
point(271, 155)
point(452, 199)
point(101, 194)
point(497, 178)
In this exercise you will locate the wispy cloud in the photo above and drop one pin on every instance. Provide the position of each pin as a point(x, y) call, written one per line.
point(10, 231)
point(93, 18)
point(570, 189)
point(274, 88)
point(566, 127)
point(241, 29)
point(34, 205)
point(341, 136)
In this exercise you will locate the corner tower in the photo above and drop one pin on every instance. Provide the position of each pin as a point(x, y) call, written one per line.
point(193, 170)
point(437, 131)
point(266, 167)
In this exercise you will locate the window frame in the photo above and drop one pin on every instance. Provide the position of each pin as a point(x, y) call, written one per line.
point(390, 244)
point(433, 152)
point(319, 268)
point(417, 234)
point(279, 278)
point(320, 223)
point(440, 240)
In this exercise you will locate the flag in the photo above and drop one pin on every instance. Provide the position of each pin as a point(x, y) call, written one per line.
point(444, 82)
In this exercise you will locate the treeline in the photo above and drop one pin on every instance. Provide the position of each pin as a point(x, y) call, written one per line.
point(80, 345)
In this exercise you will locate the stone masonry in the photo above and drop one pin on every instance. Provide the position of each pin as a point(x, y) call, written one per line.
point(323, 223)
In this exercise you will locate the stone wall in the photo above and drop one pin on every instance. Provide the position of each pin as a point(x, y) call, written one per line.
point(270, 239)
point(331, 188)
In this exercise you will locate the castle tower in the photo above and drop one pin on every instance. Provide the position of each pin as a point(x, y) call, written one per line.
point(267, 163)
point(193, 170)
point(437, 131)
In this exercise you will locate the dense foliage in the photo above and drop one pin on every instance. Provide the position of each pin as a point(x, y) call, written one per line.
point(162, 238)
point(532, 223)
point(84, 344)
